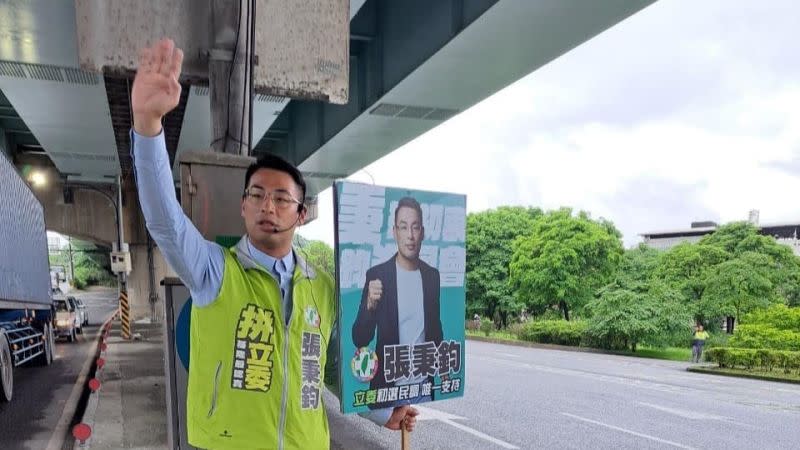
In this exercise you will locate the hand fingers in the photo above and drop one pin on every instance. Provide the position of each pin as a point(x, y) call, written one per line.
point(165, 49)
point(177, 63)
point(412, 413)
point(145, 59)
point(409, 422)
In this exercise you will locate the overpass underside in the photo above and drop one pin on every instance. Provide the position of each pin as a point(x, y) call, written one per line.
point(412, 65)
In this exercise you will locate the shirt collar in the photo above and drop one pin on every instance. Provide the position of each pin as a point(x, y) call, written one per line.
point(242, 252)
point(268, 261)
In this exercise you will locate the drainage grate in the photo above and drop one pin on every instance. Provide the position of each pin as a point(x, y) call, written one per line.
point(413, 112)
point(270, 98)
point(11, 69)
point(44, 73)
point(387, 109)
point(77, 76)
point(441, 114)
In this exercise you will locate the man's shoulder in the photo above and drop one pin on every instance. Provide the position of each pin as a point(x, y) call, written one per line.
point(427, 268)
point(382, 268)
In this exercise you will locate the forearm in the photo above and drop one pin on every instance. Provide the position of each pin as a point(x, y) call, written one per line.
point(196, 261)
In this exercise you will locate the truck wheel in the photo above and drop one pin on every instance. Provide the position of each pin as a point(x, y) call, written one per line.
point(46, 358)
point(6, 371)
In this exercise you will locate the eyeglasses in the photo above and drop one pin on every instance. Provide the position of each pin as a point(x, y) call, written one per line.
point(413, 228)
point(281, 199)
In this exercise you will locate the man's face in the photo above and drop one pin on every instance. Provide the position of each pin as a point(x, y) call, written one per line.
point(408, 232)
point(262, 214)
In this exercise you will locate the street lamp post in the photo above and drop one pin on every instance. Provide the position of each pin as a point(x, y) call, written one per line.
point(124, 306)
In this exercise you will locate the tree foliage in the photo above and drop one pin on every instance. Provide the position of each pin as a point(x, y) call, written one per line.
point(564, 260)
point(623, 318)
point(489, 248)
point(318, 253)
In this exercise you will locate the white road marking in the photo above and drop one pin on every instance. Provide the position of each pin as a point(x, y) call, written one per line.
point(623, 430)
point(435, 414)
point(686, 414)
point(510, 355)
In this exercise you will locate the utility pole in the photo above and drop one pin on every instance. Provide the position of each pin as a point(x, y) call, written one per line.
point(229, 76)
point(71, 265)
point(124, 305)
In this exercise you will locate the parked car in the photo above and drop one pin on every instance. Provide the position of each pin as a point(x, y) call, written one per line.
point(84, 313)
point(67, 320)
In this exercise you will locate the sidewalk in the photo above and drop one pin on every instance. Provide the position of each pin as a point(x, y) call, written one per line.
point(129, 410)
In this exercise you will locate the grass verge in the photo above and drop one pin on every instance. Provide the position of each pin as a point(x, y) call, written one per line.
point(670, 353)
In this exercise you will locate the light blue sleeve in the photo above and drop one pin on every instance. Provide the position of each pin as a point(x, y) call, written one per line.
point(198, 262)
point(378, 416)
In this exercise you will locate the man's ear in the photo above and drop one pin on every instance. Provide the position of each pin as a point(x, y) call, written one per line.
point(243, 198)
point(302, 215)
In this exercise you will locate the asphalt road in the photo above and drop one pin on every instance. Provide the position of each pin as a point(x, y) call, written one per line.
point(41, 394)
point(531, 398)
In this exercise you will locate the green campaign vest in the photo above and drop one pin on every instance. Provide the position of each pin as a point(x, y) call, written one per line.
point(255, 383)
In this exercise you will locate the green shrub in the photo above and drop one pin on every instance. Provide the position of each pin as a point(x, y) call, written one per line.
point(559, 332)
point(717, 340)
point(780, 317)
point(765, 336)
point(487, 326)
point(515, 329)
point(750, 359)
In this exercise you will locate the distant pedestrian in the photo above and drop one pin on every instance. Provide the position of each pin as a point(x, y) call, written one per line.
point(698, 342)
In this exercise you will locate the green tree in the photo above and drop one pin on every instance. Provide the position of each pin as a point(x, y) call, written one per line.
point(729, 236)
point(490, 235)
point(317, 253)
point(91, 264)
point(637, 268)
point(739, 286)
point(685, 269)
point(623, 318)
point(564, 261)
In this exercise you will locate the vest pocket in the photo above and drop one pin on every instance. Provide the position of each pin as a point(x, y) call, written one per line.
point(215, 392)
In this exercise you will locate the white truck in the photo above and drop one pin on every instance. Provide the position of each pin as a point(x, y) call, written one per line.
point(26, 304)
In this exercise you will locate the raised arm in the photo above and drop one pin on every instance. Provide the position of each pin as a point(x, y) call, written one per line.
point(156, 91)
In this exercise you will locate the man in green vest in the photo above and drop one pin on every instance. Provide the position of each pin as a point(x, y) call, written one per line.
point(263, 318)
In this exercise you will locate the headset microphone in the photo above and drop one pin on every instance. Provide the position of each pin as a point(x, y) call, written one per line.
point(279, 230)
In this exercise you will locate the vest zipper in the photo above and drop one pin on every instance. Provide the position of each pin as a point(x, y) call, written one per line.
point(216, 388)
point(285, 394)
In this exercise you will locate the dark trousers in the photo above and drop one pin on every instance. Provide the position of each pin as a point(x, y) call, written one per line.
point(697, 350)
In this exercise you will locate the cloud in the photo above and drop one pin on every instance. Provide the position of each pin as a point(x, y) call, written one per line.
point(685, 111)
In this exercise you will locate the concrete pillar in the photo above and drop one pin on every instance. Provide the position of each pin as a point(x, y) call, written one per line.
point(139, 283)
point(229, 77)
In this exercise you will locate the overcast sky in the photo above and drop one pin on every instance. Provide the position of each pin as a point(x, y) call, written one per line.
point(685, 111)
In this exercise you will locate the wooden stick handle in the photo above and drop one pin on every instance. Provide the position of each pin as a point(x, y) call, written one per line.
point(405, 437)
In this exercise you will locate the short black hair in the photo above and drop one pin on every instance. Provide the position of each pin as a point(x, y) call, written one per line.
point(408, 202)
point(275, 162)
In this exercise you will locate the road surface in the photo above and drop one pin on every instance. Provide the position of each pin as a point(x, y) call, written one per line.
point(532, 398)
point(42, 395)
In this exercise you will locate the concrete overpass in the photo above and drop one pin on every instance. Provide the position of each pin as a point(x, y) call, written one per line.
point(413, 65)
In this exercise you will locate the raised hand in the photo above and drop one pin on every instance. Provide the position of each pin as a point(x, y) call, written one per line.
point(156, 90)
point(374, 293)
